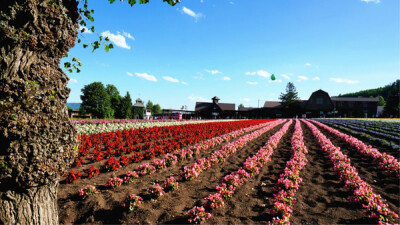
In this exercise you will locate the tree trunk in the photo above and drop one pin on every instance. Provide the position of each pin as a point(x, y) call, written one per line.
point(37, 138)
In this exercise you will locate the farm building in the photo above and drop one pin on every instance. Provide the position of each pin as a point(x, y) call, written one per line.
point(215, 109)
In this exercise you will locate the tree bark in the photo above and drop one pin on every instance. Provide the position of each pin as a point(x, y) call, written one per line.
point(37, 138)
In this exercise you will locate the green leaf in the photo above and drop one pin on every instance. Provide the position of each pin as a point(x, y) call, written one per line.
point(132, 2)
point(66, 55)
point(107, 39)
point(111, 1)
point(67, 65)
point(85, 45)
point(143, 1)
point(79, 40)
point(92, 28)
point(107, 48)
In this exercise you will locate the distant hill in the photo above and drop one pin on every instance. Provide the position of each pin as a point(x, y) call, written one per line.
point(385, 91)
point(74, 105)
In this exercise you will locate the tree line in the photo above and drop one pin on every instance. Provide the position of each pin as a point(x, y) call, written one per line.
point(390, 95)
point(105, 102)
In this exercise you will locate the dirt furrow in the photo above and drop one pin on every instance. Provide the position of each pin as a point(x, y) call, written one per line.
point(321, 198)
point(247, 205)
point(369, 171)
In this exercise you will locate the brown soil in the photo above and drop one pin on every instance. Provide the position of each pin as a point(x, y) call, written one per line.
point(322, 199)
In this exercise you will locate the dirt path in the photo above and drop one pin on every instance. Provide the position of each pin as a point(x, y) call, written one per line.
point(321, 198)
point(369, 171)
point(247, 205)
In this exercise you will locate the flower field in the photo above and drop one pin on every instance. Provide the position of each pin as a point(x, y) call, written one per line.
point(243, 172)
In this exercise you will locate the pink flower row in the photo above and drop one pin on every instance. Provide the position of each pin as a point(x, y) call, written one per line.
point(171, 159)
point(251, 167)
point(386, 162)
point(171, 183)
point(289, 180)
point(362, 192)
point(192, 172)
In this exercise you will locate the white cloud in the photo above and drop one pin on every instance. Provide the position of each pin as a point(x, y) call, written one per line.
point(146, 76)
point(302, 77)
point(285, 76)
point(73, 81)
point(246, 99)
point(183, 82)
point(213, 72)
point(200, 77)
point(250, 73)
point(308, 64)
point(85, 30)
point(117, 39)
point(201, 1)
point(252, 83)
point(171, 79)
point(226, 78)
point(128, 35)
point(275, 81)
point(316, 78)
point(374, 1)
point(129, 74)
point(189, 12)
point(232, 3)
point(261, 73)
point(347, 81)
point(196, 99)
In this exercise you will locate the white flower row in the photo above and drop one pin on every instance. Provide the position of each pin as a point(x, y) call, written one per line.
point(112, 127)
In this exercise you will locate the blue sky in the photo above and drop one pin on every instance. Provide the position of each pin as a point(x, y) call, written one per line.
point(198, 49)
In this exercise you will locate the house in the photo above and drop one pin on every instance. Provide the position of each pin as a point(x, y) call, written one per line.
point(320, 104)
point(215, 109)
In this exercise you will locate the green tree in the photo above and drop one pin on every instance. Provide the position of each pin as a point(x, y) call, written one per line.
point(156, 108)
point(240, 106)
point(290, 100)
point(392, 107)
point(381, 101)
point(34, 36)
point(115, 100)
point(95, 100)
point(126, 107)
point(150, 105)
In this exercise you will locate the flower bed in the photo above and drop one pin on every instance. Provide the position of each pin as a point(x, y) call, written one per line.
point(361, 191)
point(385, 161)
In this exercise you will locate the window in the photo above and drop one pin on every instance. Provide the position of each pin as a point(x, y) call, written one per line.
point(339, 104)
point(320, 101)
point(365, 104)
point(350, 103)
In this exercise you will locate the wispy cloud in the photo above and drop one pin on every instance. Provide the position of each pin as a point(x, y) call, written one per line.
point(191, 13)
point(374, 1)
point(129, 74)
point(146, 76)
point(84, 30)
point(196, 99)
point(213, 72)
point(226, 78)
point(275, 81)
point(183, 82)
point(171, 79)
point(73, 81)
point(245, 99)
point(302, 77)
point(308, 64)
point(285, 76)
point(199, 77)
point(316, 78)
point(261, 73)
point(128, 35)
point(232, 3)
point(118, 39)
point(346, 81)
point(252, 83)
